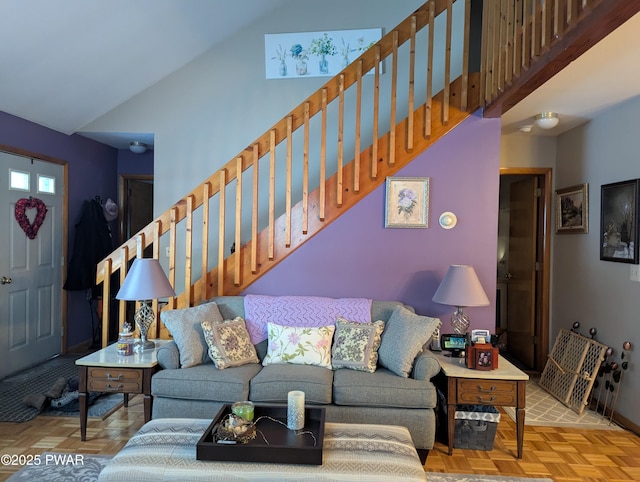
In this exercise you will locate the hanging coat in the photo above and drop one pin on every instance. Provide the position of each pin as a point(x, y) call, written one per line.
point(91, 244)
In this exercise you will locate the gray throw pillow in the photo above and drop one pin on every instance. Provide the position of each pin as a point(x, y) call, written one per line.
point(185, 326)
point(403, 338)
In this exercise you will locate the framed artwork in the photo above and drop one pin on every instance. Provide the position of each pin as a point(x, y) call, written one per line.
point(315, 54)
point(407, 202)
point(572, 210)
point(618, 222)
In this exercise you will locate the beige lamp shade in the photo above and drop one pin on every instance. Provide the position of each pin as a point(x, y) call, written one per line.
point(461, 287)
point(145, 281)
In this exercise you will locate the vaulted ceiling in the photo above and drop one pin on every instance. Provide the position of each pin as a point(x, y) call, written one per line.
point(64, 64)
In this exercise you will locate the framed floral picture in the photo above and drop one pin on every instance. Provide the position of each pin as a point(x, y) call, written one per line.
point(407, 202)
point(619, 204)
point(572, 209)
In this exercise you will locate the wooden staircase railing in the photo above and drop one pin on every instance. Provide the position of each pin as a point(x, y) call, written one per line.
point(293, 180)
point(526, 42)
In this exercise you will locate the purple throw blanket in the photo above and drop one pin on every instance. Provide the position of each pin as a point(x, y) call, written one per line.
point(300, 311)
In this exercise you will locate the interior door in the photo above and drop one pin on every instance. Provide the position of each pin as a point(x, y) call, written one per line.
point(30, 269)
point(521, 284)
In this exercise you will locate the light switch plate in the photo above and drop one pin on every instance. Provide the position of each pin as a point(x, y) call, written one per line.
point(634, 273)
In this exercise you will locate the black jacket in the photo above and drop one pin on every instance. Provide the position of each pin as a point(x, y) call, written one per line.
point(91, 244)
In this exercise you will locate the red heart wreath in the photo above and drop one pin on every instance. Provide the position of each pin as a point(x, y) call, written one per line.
point(30, 229)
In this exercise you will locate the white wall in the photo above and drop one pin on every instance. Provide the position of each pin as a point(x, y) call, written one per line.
point(206, 113)
point(598, 293)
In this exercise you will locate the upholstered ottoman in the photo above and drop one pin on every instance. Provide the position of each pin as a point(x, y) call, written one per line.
point(165, 449)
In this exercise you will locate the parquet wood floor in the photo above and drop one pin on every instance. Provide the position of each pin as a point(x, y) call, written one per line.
point(562, 454)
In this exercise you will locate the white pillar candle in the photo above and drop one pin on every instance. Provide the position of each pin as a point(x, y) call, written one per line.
point(295, 410)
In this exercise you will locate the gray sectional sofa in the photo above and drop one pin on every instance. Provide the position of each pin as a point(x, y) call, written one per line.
point(349, 396)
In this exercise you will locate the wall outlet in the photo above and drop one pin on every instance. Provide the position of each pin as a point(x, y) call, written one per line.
point(634, 274)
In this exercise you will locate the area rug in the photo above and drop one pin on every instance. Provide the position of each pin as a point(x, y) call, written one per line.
point(38, 380)
point(545, 410)
point(431, 477)
point(59, 467)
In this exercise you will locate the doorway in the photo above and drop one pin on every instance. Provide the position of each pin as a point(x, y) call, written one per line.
point(135, 194)
point(33, 196)
point(523, 265)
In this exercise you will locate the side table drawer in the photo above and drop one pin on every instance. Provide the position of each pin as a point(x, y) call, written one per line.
point(120, 380)
point(493, 392)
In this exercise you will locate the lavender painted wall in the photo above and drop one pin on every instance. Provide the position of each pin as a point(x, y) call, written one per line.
point(92, 172)
point(357, 257)
point(130, 163)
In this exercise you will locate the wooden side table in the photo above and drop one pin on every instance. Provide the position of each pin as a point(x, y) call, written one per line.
point(106, 371)
point(502, 387)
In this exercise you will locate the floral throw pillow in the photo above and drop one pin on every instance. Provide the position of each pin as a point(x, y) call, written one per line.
point(355, 345)
point(299, 345)
point(229, 343)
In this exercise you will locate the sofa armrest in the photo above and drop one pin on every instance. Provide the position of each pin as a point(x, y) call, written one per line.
point(169, 356)
point(425, 366)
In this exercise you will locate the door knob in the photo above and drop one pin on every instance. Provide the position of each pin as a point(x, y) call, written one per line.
point(508, 276)
point(5, 281)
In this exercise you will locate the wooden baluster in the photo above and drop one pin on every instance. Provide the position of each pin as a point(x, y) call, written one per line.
point(356, 158)
point(464, 92)
point(376, 108)
point(394, 90)
point(172, 252)
point(154, 330)
point(447, 65)
point(412, 75)
point(106, 301)
point(237, 255)
point(254, 210)
point(508, 47)
point(122, 304)
point(272, 192)
point(323, 155)
point(533, 10)
point(221, 229)
point(139, 246)
point(429, 92)
point(305, 172)
point(188, 253)
point(340, 139)
point(517, 39)
point(206, 194)
point(287, 234)
point(546, 24)
point(495, 50)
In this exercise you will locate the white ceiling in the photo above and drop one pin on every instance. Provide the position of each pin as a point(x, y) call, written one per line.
point(66, 63)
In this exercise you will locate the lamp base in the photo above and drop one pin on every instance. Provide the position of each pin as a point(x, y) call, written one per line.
point(148, 345)
point(460, 322)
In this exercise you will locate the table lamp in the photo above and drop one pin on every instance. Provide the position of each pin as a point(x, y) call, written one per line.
point(145, 282)
point(460, 288)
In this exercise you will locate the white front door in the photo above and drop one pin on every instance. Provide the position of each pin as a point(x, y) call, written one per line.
point(30, 263)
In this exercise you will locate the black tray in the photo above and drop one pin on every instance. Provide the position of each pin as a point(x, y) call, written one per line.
point(284, 446)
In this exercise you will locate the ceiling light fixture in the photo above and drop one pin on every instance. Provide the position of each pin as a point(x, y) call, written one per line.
point(137, 147)
point(547, 120)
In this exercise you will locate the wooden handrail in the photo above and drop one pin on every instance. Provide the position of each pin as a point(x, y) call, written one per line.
point(293, 217)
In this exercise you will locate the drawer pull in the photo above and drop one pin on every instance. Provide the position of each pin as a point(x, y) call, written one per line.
point(114, 389)
point(490, 390)
point(113, 379)
point(482, 400)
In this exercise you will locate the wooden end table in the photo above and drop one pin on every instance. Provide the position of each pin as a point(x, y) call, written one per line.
point(106, 371)
point(503, 387)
